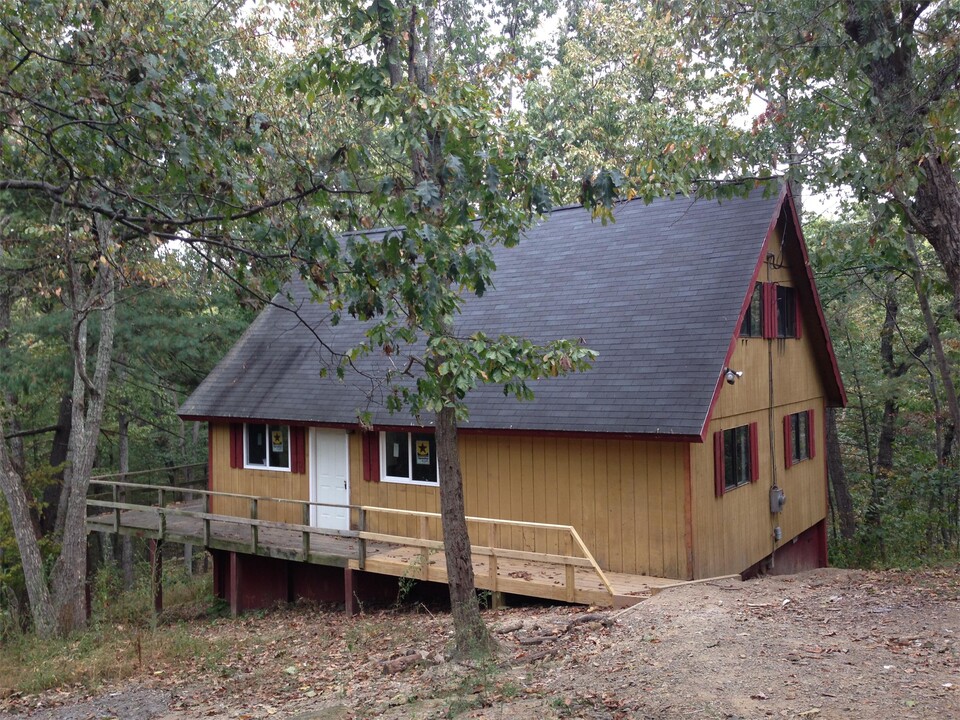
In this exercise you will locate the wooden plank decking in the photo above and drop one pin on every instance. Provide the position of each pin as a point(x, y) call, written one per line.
point(563, 578)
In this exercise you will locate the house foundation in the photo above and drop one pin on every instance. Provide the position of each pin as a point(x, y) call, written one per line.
point(252, 582)
point(807, 551)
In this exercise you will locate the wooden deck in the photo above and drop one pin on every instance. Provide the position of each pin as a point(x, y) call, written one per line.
point(572, 577)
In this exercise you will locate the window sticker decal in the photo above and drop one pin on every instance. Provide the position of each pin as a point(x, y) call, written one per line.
point(423, 452)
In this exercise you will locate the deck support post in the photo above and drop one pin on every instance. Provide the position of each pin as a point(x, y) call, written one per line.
point(156, 574)
point(362, 543)
point(115, 496)
point(254, 529)
point(233, 578)
point(305, 537)
point(349, 599)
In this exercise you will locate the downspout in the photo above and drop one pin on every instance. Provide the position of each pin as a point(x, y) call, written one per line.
point(770, 419)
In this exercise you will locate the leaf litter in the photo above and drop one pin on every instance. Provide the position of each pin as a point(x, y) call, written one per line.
point(821, 644)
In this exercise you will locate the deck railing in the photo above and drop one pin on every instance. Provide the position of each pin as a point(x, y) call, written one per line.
point(484, 534)
point(193, 503)
point(492, 540)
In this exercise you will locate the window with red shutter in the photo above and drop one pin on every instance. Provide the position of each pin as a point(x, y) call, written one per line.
point(735, 457)
point(266, 447)
point(787, 441)
point(798, 437)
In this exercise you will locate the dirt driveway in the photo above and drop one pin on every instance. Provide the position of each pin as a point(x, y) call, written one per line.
point(823, 644)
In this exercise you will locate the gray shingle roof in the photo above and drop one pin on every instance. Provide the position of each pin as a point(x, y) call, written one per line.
point(658, 293)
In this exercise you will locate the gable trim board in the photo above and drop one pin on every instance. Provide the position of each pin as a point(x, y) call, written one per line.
point(596, 450)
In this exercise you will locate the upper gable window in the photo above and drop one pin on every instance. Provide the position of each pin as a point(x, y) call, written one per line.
point(266, 446)
point(773, 312)
point(753, 321)
point(787, 320)
point(409, 457)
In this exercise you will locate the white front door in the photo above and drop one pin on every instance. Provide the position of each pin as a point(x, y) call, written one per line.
point(329, 479)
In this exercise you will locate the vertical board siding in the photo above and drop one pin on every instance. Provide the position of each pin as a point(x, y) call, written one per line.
point(624, 497)
point(733, 532)
point(600, 487)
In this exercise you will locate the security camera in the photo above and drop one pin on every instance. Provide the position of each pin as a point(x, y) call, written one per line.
point(731, 376)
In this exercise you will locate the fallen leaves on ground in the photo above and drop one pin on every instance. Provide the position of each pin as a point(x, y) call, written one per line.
point(821, 644)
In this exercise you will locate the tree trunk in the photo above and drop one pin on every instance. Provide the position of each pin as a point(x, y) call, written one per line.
point(862, 406)
point(843, 501)
point(470, 633)
point(944, 449)
point(41, 604)
point(12, 426)
point(891, 408)
point(936, 215)
point(58, 456)
point(887, 37)
point(89, 393)
point(888, 422)
point(12, 485)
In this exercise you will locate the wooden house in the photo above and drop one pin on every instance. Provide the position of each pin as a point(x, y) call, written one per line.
point(694, 447)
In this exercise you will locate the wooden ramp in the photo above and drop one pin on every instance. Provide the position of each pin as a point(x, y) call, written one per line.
point(520, 577)
point(570, 575)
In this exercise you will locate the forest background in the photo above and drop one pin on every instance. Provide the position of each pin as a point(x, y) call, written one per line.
point(165, 166)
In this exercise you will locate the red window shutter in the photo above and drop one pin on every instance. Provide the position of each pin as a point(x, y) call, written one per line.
point(298, 450)
point(799, 320)
point(754, 453)
point(371, 456)
point(236, 445)
point(718, 470)
point(812, 433)
point(768, 299)
point(787, 442)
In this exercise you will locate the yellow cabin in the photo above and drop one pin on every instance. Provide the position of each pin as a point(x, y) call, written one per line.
point(694, 448)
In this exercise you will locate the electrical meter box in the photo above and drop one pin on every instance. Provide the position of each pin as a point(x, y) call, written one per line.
point(777, 499)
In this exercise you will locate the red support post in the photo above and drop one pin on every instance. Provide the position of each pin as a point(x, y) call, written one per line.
point(233, 582)
point(349, 601)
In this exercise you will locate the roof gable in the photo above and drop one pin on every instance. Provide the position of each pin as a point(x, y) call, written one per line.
point(659, 294)
point(786, 221)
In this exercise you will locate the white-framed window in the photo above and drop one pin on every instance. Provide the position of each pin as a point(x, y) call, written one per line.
point(266, 447)
point(408, 457)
